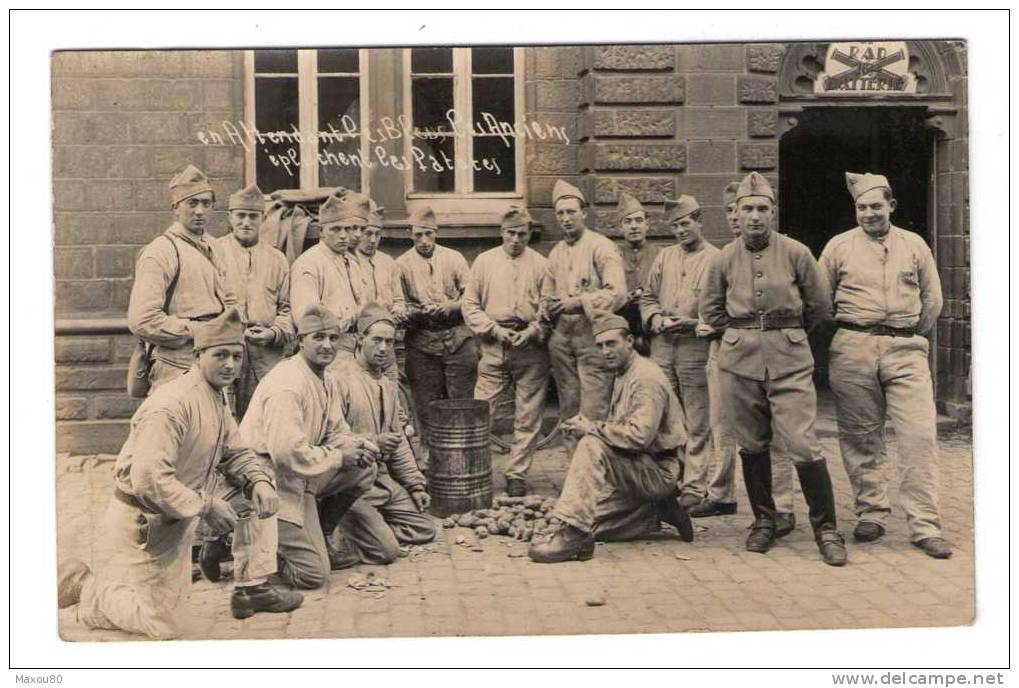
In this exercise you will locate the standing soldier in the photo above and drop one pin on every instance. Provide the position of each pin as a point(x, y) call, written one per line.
point(585, 274)
point(669, 310)
point(721, 499)
point(327, 274)
point(259, 277)
point(165, 480)
point(887, 295)
point(766, 292)
point(638, 255)
point(442, 358)
point(501, 305)
point(380, 273)
point(176, 281)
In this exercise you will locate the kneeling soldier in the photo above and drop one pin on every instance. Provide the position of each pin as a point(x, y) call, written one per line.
point(164, 484)
point(622, 478)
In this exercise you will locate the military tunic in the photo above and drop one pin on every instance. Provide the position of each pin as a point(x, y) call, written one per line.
point(889, 282)
point(334, 280)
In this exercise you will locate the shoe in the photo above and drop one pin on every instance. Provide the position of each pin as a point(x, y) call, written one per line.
point(762, 536)
point(71, 576)
point(935, 547)
point(671, 511)
point(516, 487)
point(868, 531)
point(247, 601)
point(711, 508)
point(785, 523)
point(212, 553)
point(832, 548)
point(565, 544)
point(689, 500)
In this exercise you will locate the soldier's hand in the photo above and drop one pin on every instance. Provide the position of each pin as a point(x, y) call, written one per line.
point(422, 500)
point(388, 442)
point(656, 323)
point(220, 516)
point(409, 431)
point(554, 307)
point(502, 335)
point(265, 499)
point(572, 305)
point(704, 330)
point(259, 335)
point(581, 425)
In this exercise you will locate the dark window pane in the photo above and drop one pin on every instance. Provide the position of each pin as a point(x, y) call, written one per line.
point(432, 98)
point(340, 162)
point(276, 61)
point(433, 153)
point(494, 96)
point(344, 60)
point(497, 163)
point(431, 60)
point(339, 104)
point(276, 164)
point(492, 60)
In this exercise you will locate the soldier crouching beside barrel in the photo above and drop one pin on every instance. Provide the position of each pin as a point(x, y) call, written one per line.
point(632, 456)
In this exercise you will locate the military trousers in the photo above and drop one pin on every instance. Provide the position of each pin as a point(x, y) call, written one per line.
point(583, 382)
point(382, 520)
point(435, 376)
point(613, 493)
point(142, 566)
point(721, 486)
point(873, 377)
point(522, 372)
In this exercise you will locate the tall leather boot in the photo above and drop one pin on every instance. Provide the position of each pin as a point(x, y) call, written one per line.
point(757, 479)
point(817, 490)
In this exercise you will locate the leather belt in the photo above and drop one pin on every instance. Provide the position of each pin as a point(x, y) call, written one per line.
point(130, 500)
point(880, 330)
point(514, 324)
point(766, 322)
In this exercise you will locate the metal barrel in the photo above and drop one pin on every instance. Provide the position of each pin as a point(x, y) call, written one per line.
point(460, 458)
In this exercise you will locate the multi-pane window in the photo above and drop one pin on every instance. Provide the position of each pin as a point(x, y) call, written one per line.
point(464, 106)
point(306, 106)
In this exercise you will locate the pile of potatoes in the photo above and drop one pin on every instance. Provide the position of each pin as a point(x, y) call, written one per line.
point(521, 518)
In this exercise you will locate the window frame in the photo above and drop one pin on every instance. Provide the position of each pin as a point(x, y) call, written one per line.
point(463, 200)
point(307, 94)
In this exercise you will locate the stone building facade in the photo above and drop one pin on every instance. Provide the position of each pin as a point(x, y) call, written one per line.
point(654, 120)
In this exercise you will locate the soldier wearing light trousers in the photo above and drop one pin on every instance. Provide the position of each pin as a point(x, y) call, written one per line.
point(887, 295)
point(766, 292)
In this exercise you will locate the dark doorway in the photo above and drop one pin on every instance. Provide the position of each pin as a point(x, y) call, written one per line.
point(814, 204)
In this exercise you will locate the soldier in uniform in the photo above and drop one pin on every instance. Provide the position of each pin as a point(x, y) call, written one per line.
point(259, 277)
point(183, 439)
point(177, 281)
point(622, 477)
point(501, 306)
point(669, 310)
point(887, 295)
point(585, 274)
point(442, 357)
point(638, 255)
point(766, 292)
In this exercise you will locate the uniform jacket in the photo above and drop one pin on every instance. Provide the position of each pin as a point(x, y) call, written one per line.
point(179, 437)
point(381, 278)
point(589, 268)
point(201, 292)
point(443, 277)
point(322, 276)
point(502, 288)
point(781, 280)
point(637, 263)
point(675, 281)
point(891, 282)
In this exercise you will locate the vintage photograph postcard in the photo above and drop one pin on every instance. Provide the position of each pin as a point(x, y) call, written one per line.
point(512, 340)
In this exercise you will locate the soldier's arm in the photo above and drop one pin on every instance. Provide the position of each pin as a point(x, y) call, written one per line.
point(473, 311)
point(304, 288)
point(158, 438)
point(639, 427)
point(931, 298)
point(145, 315)
point(829, 264)
point(241, 466)
point(287, 443)
point(711, 303)
point(650, 305)
point(612, 295)
point(283, 323)
point(813, 289)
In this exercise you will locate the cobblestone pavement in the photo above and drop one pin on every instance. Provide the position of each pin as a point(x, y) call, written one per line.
point(656, 585)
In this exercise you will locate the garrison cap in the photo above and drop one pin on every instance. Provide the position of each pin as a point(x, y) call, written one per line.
point(564, 189)
point(628, 205)
point(680, 208)
point(250, 198)
point(375, 214)
point(729, 193)
point(225, 328)
point(189, 182)
point(373, 313)
point(755, 185)
point(344, 205)
point(316, 318)
point(424, 216)
point(515, 216)
point(603, 321)
point(860, 184)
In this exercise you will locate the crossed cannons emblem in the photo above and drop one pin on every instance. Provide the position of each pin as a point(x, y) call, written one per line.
point(859, 68)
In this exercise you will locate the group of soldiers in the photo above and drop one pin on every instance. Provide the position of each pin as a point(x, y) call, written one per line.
point(276, 413)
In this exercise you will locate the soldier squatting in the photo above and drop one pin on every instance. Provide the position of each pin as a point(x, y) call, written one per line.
point(275, 410)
